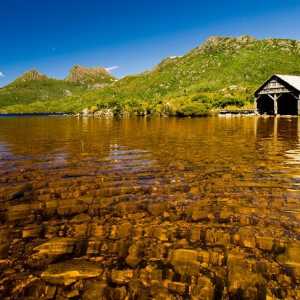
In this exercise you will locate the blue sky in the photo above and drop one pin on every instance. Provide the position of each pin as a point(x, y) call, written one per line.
point(133, 35)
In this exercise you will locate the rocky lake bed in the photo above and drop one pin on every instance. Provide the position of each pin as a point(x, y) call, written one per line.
point(149, 209)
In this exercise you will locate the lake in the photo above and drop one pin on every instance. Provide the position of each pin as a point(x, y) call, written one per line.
point(142, 208)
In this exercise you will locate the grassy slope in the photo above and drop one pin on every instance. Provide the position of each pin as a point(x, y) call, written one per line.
point(222, 72)
point(35, 92)
point(26, 93)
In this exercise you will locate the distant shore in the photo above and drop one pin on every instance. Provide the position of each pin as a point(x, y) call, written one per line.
point(46, 114)
point(35, 114)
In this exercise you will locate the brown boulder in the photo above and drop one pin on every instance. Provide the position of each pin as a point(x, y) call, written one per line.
point(185, 261)
point(96, 290)
point(121, 277)
point(70, 271)
point(52, 250)
point(203, 289)
point(242, 280)
point(291, 258)
point(135, 255)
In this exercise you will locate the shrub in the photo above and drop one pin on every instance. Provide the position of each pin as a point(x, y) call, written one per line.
point(222, 103)
point(192, 110)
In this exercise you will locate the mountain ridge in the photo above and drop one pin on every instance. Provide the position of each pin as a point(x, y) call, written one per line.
point(35, 87)
point(221, 72)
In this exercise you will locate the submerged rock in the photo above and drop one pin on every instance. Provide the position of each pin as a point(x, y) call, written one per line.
point(243, 281)
point(56, 246)
point(185, 261)
point(135, 255)
point(52, 250)
point(291, 259)
point(20, 213)
point(18, 191)
point(70, 271)
point(121, 276)
point(96, 290)
point(202, 289)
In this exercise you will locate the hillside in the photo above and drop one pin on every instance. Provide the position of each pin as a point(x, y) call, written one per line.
point(221, 72)
point(34, 89)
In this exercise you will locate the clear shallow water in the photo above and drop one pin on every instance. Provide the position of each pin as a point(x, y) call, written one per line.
point(244, 151)
point(235, 180)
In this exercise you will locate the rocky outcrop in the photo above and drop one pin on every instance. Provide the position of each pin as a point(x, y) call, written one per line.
point(98, 113)
point(216, 41)
point(31, 76)
point(92, 76)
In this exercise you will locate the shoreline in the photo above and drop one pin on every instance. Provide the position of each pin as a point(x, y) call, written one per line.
point(46, 114)
point(49, 114)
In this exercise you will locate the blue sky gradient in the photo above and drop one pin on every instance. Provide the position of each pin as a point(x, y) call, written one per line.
point(53, 35)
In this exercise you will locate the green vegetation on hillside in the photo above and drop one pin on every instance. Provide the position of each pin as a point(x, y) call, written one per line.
point(30, 92)
point(35, 92)
point(223, 72)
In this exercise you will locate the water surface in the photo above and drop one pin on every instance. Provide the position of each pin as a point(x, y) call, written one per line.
point(184, 206)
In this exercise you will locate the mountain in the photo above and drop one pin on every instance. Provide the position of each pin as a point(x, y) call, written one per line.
point(31, 75)
point(36, 89)
point(222, 72)
point(85, 75)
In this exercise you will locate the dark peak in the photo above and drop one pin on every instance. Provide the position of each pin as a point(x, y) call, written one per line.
point(32, 75)
point(82, 74)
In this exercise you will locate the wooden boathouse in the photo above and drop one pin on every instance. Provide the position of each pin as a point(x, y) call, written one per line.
point(280, 95)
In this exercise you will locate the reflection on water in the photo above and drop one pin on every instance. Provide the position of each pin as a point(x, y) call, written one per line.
point(163, 208)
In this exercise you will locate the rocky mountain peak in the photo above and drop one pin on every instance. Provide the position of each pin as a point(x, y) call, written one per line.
point(86, 75)
point(32, 75)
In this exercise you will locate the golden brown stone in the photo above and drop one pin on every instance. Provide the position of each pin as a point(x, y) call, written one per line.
point(68, 272)
point(121, 276)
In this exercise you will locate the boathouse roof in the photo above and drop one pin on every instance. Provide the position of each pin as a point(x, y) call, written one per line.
point(292, 81)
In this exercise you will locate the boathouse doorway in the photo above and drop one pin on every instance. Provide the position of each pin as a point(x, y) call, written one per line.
point(287, 104)
point(265, 105)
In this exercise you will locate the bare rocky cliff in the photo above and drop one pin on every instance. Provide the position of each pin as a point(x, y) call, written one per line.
point(32, 75)
point(84, 75)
